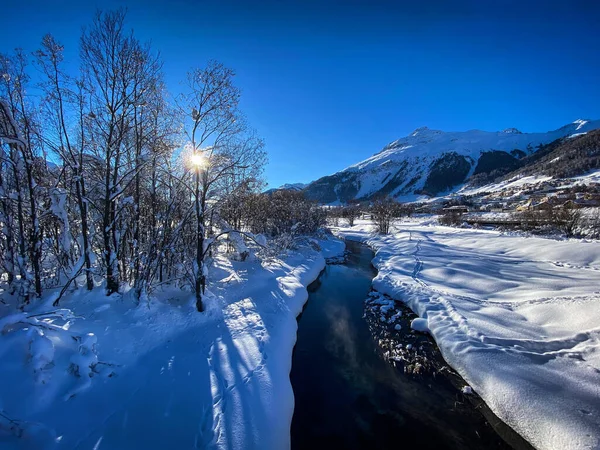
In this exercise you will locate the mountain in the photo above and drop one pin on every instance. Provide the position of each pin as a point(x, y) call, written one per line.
point(287, 187)
point(564, 158)
point(429, 162)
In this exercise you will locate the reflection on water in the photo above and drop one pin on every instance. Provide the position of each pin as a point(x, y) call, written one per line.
point(350, 393)
point(342, 344)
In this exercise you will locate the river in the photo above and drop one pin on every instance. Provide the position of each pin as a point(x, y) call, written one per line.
point(348, 396)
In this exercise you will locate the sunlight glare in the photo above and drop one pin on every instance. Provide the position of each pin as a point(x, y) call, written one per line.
point(198, 160)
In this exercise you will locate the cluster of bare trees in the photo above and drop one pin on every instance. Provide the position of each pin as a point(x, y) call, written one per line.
point(382, 211)
point(282, 213)
point(385, 210)
point(104, 177)
point(451, 218)
point(567, 219)
point(349, 213)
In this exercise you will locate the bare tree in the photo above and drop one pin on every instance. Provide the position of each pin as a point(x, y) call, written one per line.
point(451, 217)
point(221, 153)
point(383, 212)
point(334, 214)
point(60, 95)
point(568, 220)
point(116, 187)
point(351, 213)
point(118, 71)
point(154, 146)
point(17, 131)
point(594, 223)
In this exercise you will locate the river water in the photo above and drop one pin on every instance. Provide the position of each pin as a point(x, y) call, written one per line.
point(348, 396)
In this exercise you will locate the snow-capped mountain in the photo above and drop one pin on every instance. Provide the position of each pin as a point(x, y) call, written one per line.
point(428, 162)
point(288, 187)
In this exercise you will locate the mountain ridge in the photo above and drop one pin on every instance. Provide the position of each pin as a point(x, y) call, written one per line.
point(428, 161)
point(288, 187)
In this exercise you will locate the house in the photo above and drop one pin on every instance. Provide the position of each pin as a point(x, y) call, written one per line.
point(536, 205)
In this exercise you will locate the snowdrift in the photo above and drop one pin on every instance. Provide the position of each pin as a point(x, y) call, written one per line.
point(517, 317)
point(105, 373)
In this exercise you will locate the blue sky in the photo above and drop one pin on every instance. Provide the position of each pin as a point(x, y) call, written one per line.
point(329, 83)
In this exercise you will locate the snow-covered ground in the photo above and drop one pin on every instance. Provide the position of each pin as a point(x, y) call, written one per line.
point(518, 184)
point(162, 374)
point(517, 317)
point(514, 183)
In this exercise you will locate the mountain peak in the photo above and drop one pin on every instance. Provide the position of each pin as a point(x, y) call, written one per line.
point(424, 132)
point(420, 130)
point(512, 131)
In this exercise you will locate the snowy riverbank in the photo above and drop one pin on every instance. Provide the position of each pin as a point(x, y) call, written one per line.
point(166, 376)
point(517, 317)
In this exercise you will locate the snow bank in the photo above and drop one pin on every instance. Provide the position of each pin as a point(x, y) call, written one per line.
point(41, 353)
point(419, 325)
point(160, 375)
point(255, 404)
point(517, 317)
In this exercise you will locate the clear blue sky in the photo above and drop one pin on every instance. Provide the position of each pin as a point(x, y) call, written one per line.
point(327, 84)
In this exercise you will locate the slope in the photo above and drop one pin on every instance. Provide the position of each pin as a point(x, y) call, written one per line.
point(428, 162)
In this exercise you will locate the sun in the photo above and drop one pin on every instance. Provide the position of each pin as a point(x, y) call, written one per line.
point(198, 160)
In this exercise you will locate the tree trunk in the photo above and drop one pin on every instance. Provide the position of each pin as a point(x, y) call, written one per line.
point(80, 191)
point(112, 282)
point(35, 242)
point(22, 258)
point(200, 279)
point(9, 256)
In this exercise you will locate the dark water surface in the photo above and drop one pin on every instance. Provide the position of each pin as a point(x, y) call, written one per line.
point(349, 397)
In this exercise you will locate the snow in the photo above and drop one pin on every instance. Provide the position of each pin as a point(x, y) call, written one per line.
point(419, 325)
point(580, 123)
point(84, 362)
point(425, 142)
point(118, 375)
point(288, 187)
point(467, 390)
point(526, 182)
point(513, 183)
point(41, 351)
point(516, 316)
point(591, 177)
point(410, 158)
